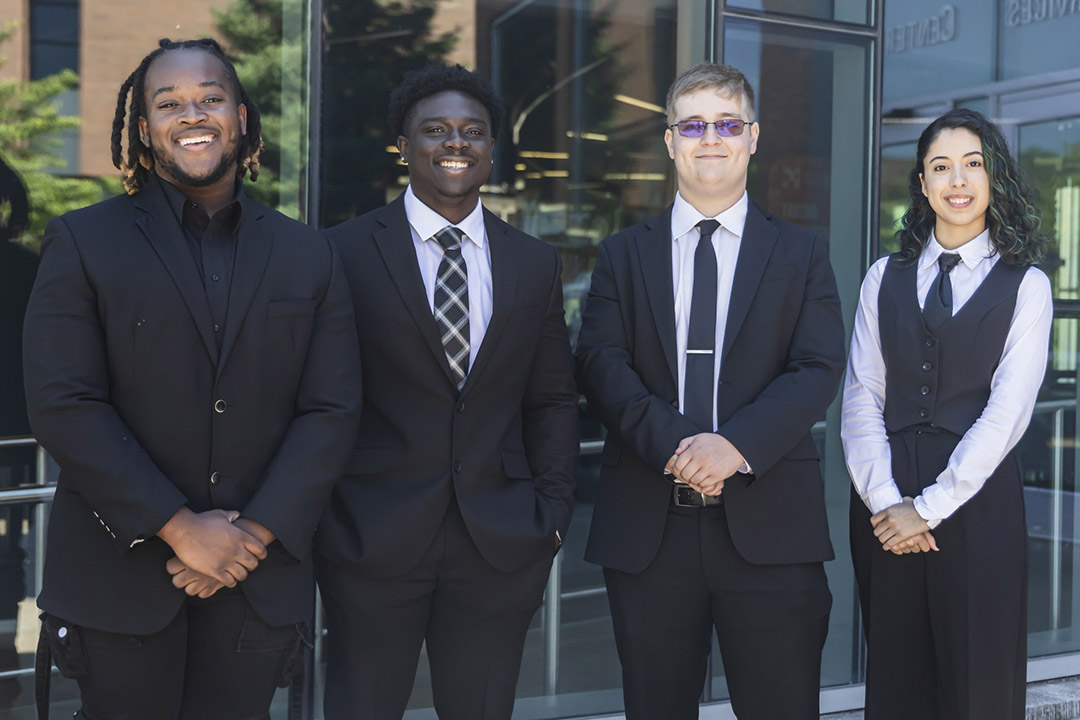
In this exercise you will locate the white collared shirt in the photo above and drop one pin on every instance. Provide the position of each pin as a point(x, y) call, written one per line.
point(1013, 388)
point(423, 224)
point(684, 240)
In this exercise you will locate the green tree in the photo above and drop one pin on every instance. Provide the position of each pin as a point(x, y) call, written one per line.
point(31, 127)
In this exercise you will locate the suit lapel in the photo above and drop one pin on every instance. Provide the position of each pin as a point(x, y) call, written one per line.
point(504, 273)
point(394, 240)
point(758, 239)
point(253, 248)
point(654, 252)
point(157, 222)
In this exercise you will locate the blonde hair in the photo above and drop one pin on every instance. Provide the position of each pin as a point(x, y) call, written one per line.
point(726, 80)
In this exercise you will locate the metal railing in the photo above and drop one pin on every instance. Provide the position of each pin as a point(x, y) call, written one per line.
point(554, 596)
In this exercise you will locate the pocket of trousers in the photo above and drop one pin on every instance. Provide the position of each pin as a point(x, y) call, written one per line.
point(65, 644)
point(289, 640)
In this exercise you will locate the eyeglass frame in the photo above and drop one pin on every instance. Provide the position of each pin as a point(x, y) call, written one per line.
point(716, 126)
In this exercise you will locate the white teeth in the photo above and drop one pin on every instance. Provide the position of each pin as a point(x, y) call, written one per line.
point(453, 165)
point(194, 140)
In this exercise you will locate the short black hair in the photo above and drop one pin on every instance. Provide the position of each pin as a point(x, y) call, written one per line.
point(437, 78)
point(139, 163)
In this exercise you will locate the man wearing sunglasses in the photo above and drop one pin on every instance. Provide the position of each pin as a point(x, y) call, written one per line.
point(710, 344)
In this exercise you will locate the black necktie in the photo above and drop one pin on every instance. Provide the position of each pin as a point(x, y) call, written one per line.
point(698, 394)
point(452, 303)
point(938, 306)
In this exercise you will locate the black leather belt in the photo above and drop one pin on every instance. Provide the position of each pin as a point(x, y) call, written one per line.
point(686, 496)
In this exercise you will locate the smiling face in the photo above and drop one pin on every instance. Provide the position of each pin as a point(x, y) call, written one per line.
point(448, 145)
point(194, 120)
point(955, 182)
point(711, 169)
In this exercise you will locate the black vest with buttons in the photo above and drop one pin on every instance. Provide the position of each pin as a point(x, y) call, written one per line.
point(943, 380)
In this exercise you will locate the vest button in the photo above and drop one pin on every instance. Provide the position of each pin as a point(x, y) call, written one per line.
point(924, 390)
point(924, 413)
point(931, 342)
point(927, 366)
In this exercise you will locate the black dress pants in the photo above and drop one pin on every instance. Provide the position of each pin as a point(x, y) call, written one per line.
point(946, 631)
point(473, 617)
point(216, 660)
point(770, 620)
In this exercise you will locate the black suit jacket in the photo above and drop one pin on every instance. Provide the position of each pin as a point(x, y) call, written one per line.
point(782, 360)
point(505, 446)
point(122, 377)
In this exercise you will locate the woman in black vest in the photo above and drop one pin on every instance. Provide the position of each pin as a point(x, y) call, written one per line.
point(947, 357)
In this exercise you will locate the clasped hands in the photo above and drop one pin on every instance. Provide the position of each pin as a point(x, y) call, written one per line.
point(704, 461)
point(214, 549)
point(901, 530)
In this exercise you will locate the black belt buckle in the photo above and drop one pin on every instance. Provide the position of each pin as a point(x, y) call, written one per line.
point(686, 496)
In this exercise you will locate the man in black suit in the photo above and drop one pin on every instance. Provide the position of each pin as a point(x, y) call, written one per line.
point(460, 488)
point(191, 363)
point(710, 344)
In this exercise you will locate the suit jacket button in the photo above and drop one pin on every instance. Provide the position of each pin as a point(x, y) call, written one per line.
point(219, 406)
point(457, 467)
point(214, 477)
point(461, 406)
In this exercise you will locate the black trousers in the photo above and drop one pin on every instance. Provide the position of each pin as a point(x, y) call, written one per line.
point(473, 617)
point(217, 660)
point(770, 620)
point(946, 631)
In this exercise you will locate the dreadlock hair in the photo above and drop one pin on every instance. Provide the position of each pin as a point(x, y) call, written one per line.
point(139, 163)
point(1011, 216)
point(436, 78)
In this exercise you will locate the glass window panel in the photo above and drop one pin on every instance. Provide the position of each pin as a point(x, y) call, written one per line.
point(1050, 156)
point(1038, 36)
point(48, 58)
point(852, 11)
point(931, 47)
point(54, 23)
point(896, 164)
point(811, 167)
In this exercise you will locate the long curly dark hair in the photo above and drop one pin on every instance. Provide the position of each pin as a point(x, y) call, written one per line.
point(139, 163)
point(1011, 216)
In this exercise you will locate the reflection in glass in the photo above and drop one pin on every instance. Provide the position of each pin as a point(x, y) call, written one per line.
point(896, 164)
point(851, 11)
point(1050, 155)
point(811, 168)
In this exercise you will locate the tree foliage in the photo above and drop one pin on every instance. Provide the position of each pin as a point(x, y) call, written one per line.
point(32, 130)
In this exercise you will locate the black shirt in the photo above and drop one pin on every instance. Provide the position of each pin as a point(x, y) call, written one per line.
point(212, 241)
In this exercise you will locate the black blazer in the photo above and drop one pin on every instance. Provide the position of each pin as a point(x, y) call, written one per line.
point(505, 446)
point(782, 359)
point(124, 379)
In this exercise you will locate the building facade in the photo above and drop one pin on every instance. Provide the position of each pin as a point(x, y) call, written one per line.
point(844, 88)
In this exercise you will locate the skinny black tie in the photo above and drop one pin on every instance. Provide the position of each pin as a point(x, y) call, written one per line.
point(938, 307)
point(698, 395)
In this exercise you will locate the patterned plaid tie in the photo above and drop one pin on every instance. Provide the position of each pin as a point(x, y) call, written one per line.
point(452, 302)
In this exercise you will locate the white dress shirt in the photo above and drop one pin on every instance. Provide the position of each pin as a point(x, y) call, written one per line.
point(1013, 388)
point(684, 240)
point(424, 223)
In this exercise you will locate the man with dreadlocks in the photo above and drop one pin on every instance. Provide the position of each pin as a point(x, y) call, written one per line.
point(460, 489)
point(191, 363)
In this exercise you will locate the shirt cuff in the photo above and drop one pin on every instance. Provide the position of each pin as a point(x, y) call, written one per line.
point(932, 518)
point(883, 497)
point(745, 469)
